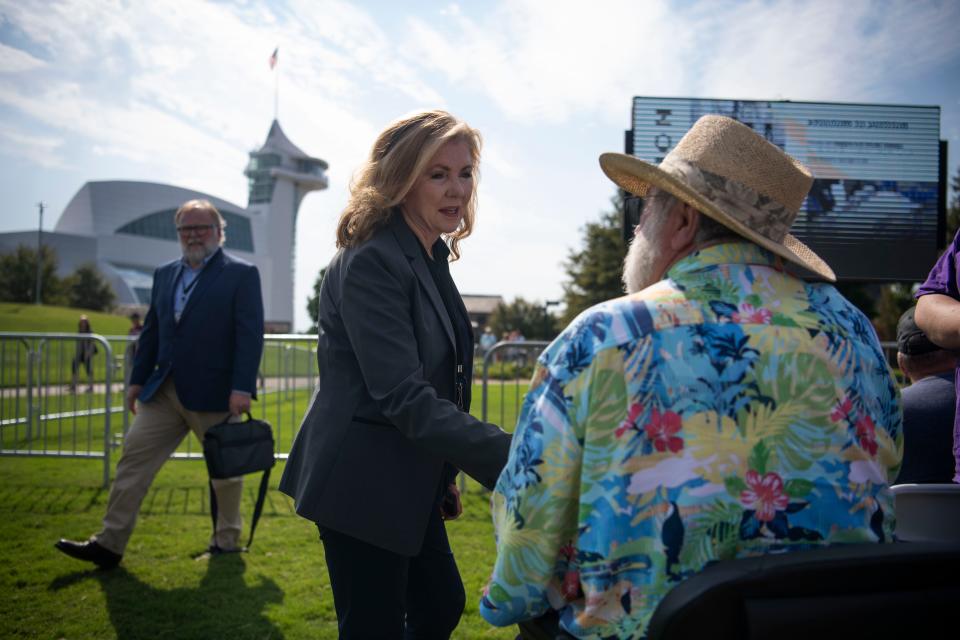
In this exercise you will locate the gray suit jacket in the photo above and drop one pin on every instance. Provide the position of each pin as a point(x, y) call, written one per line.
point(372, 447)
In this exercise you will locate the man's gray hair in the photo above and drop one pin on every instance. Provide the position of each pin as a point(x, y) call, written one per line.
point(709, 232)
point(207, 207)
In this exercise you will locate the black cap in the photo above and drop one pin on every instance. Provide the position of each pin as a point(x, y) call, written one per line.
point(911, 341)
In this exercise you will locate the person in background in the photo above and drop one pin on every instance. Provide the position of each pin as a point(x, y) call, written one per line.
point(196, 366)
point(487, 340)
point(929, 405)
point(134, 332)
point(86, 349)
point(938, 316)
point(507, 353)
point(135, 326)
point(724, 408)
point(374, 462)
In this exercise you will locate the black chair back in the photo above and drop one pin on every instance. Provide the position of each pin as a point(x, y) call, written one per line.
point(899, 591)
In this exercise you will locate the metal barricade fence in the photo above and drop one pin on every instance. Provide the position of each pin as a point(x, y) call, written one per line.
point(505, 375)
point(57, 395)
point(286, 382)
point(55, 403)
point(890, 351)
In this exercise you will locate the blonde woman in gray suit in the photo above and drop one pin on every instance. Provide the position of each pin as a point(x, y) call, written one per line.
point(375, 459)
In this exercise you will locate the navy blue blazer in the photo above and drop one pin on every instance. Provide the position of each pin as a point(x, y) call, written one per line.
point(216, 346)
point(383, 427)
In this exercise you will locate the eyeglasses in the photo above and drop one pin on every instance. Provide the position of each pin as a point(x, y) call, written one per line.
point(198, 229)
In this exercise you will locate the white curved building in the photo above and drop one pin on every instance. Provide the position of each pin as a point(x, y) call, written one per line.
point(126, 227)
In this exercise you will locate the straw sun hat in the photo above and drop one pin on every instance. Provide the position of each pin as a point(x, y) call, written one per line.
point(730, 173)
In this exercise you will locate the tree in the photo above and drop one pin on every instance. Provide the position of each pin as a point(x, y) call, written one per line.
point(18, 275)
point(594, 272)
point(862, 295)
point(530, 318)
point(313, 302)
point(86, 288)
point(895, 298)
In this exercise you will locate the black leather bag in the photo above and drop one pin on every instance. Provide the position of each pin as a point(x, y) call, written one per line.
point(235, 449)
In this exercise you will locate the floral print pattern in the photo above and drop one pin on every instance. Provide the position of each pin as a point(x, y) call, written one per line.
point(662, 430)
point(730, 410)
point(764, 495)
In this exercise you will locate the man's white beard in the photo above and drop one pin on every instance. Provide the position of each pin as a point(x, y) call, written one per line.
point(196, 254)
point(638, 266)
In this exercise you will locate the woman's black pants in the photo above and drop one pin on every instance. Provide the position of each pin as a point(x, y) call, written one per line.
point(383, 595)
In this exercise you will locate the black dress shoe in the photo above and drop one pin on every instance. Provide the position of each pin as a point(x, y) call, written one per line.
point(89, 551)
point(216, 550)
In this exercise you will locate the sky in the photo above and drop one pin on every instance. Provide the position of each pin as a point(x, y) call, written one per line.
point(179, 92)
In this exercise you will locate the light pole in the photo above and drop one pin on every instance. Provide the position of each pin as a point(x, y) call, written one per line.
point(546, 317)
point(40, 206)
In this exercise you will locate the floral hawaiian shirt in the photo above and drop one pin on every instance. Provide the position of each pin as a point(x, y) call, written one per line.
point(730, 410)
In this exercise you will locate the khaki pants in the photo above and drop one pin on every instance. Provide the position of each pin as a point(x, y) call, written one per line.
point(157, 430)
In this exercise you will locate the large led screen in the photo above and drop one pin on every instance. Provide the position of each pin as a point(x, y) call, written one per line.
point(874, 210)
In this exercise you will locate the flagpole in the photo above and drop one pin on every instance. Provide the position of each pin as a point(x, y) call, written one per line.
point(276, 83)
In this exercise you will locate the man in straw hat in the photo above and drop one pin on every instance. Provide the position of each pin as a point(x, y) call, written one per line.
point(724, 408)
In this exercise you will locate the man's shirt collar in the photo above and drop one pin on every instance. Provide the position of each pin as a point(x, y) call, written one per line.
point(725, 253)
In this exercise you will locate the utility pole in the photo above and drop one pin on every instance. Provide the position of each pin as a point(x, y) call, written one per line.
point(546, 317)
point(40, 206)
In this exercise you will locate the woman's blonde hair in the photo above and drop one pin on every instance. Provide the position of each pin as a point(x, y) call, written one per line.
point(398, 158)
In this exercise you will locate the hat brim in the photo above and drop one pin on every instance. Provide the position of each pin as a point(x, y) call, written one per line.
point(637, 176)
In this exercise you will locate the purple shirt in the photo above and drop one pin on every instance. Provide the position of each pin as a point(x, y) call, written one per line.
point(943, 279)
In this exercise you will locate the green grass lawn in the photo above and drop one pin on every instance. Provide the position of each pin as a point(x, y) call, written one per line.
point(77, 430)
point(51, 319)
point(277, 590)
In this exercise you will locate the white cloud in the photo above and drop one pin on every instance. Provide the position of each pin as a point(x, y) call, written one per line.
point(43, 150)
point(135, 131)
point(819, 50)
point(178, 91)
point(17, 61)
point(563, 61)
point(357, 45)
point(551, 61)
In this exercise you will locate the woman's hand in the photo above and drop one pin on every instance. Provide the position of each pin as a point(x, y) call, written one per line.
point(451, 507)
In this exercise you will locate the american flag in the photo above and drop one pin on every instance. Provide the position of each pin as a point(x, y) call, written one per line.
point(273, 57)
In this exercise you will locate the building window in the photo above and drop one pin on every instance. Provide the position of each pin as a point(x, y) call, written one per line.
point(160, 225)
point(260, 181)
point(311, 167)
point(138, 278)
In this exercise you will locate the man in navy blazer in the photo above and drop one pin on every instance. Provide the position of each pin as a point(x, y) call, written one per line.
point(195, 366)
